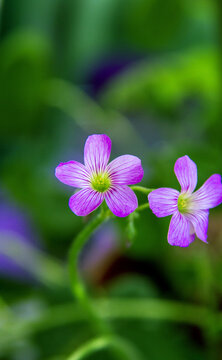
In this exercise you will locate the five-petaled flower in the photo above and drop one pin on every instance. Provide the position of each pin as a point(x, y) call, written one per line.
point(190, 209)
point(99, 180)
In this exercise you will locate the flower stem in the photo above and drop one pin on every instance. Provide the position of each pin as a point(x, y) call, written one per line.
point(77, 285)
point(143, 207)
point(103, 342)
point(142, 189)
point(79, 291)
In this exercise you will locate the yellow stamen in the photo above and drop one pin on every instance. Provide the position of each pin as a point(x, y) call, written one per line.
point(100, 182)
point(183, 203)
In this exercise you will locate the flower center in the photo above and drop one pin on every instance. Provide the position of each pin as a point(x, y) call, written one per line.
point(183, 203)
point(100, 182)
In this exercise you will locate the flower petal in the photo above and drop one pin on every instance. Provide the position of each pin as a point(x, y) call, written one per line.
point(199, 220)
point(97, 152)
point(192, 238)
point(85, 201)
point(121, 200)
point(73, 173)
point(210, 193)
point(163, 201)
point(179, 231)
point(125, 170)
point(186, 173)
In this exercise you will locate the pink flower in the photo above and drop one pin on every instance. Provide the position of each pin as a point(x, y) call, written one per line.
point(190, 209)
point(99, 180)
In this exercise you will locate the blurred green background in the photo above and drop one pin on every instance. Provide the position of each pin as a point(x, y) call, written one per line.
point(148, 74)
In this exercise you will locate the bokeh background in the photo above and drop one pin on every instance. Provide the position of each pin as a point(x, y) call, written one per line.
point(148, 74)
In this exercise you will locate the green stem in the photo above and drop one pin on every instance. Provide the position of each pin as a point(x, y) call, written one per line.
point(102, 343)
point(130, 309)
point(77, 285)
point(16, 329)
point(142, 189)
point(143, 207)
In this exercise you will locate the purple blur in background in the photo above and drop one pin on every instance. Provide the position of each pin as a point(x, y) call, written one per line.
point(101, 251)
point(107, 69)
point(15, 227)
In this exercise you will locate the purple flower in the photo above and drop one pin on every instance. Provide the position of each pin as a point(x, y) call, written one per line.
point(99, 180)
point(190, 209)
